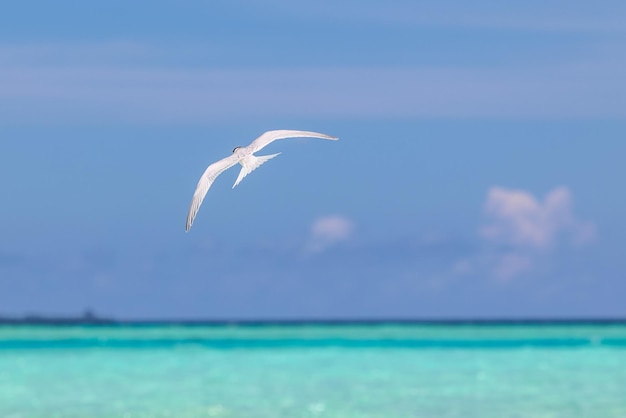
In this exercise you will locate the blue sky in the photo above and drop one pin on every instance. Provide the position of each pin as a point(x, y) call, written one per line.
point(479, 171)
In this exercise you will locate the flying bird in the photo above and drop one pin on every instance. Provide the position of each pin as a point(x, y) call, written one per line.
point(248, 161)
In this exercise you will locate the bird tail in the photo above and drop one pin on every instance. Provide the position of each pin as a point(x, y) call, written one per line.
point(251, 163)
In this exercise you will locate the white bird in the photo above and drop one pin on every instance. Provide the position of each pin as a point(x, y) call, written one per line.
point(249, 163)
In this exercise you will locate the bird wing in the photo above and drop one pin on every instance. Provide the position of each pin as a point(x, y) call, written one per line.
point(205, 182)
point(271, 136)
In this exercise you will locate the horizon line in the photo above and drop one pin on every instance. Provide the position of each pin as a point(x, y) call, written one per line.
point(91, 319)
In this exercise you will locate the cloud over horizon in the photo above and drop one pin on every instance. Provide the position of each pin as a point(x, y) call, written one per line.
point(328, 231)
point(527, 227)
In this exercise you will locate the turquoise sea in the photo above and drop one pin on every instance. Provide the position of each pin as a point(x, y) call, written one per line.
point(363, 370)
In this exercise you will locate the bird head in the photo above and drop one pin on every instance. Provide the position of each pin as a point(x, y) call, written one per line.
point(235, 149)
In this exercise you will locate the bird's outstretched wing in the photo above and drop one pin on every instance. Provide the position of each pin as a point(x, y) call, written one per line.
point(207, 179)
point(271, 136)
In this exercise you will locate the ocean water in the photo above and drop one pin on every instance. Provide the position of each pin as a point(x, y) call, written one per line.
point(314, 370)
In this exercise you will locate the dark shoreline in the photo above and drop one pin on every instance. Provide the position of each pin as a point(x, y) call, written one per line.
point(92, 320)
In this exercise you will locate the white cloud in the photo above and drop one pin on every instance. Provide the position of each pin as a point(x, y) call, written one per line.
point(328, 231)
point(530, 228)
point(518, 219)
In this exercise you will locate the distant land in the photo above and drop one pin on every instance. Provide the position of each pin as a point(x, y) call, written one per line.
point(89, 317)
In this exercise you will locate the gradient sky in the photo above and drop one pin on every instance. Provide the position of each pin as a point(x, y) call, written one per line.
point(479, 171)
